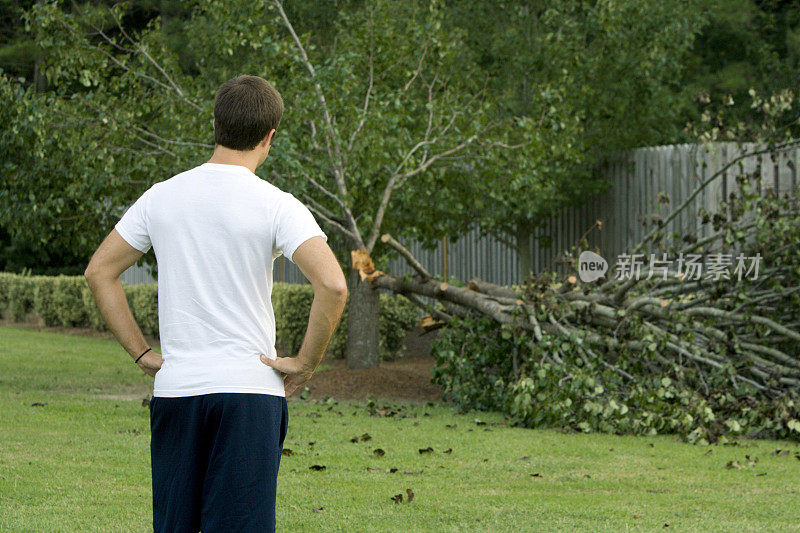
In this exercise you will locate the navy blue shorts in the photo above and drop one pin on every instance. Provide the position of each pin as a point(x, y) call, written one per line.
point(215, 460)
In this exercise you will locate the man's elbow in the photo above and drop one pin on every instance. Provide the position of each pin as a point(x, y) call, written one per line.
point(336, 288)
point(94, 273)
point(90, 272)
point(339, 289)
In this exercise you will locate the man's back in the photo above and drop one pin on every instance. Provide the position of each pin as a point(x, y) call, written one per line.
point(215, 231)
point(219, 415)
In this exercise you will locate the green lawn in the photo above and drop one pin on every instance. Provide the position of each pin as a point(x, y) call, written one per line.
point(80, 462)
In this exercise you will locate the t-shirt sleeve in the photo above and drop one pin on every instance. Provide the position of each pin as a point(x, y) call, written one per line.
point(294, 225)
point(133, 225)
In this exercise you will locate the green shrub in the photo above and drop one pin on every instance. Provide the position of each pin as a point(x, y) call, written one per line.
point(143, 301)
point(398, 316)
point(5, 281)
point(68, 300)
point(20, 291)
point(292, 304)
point(93, 316)
point(44, 305)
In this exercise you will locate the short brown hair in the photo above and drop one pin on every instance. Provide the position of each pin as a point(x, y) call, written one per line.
point(246, 108)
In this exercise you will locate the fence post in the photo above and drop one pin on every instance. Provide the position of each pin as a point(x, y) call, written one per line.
point(444, 257)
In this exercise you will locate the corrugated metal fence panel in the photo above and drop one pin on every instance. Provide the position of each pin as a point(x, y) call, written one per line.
point(136, 275)
point(625, 210)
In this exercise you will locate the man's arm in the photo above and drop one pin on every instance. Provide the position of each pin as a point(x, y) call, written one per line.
point(319, 265)
point(109, 261)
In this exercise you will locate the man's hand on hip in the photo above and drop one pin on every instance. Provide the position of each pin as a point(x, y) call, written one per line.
point(151, 363)
point(294, 371)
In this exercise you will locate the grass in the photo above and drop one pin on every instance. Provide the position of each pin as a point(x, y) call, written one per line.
point(80, 462)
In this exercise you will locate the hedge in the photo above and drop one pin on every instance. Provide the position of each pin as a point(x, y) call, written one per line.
point(67, 301)
point(292, 304)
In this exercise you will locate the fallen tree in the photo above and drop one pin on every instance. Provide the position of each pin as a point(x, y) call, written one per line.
point(733, 332)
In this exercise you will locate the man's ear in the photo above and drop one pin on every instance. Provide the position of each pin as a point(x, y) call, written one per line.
point(268, 139)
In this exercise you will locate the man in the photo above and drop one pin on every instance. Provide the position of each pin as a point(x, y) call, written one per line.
point(218, 414)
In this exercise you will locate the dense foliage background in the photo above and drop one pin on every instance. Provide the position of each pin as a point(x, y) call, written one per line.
point(90, 122)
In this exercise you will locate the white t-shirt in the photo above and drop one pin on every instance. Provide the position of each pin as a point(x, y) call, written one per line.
point(216, 230)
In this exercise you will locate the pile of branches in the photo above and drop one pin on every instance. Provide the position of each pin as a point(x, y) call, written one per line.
point(747, 330)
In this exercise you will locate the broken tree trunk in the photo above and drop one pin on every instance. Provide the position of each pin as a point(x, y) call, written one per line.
point(363, 332)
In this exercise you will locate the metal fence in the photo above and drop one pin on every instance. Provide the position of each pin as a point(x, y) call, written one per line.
point(628, 208)
point(635, 180)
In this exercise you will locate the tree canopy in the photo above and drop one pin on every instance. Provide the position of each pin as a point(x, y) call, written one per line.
point(434, 115)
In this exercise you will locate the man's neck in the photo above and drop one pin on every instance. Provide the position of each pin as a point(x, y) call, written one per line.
point(226, 156)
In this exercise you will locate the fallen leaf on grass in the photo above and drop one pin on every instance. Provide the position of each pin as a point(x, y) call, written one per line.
point(398, 498)
point(448, 450)
point(42, 404)
point(426, 450)
point(378, 452)
point(318, 509)
point(287, 451)
point(365, 437)
point(537, 474)
point(317, 467)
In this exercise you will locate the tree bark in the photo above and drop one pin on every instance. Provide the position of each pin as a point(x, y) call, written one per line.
point(363, 333)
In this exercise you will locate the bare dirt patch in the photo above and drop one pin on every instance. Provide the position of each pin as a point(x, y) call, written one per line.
point(406, 378)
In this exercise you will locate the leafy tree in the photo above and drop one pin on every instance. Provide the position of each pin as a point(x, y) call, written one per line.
point(369, 118)
point(746, 44)
point(379, 116)
point(582, 79)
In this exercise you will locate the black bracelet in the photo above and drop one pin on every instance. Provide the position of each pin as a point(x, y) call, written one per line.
point(144, 352)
